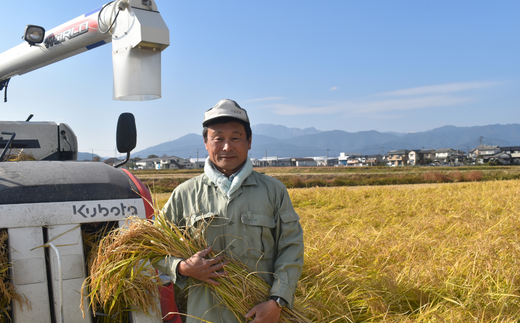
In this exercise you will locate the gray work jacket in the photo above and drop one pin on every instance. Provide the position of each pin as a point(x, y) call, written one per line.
point(257, 224)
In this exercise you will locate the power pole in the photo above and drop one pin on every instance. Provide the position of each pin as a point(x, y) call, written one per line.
point(327, 160)
point(480, 139)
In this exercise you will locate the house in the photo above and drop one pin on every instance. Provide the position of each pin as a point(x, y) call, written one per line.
point(373, 160)
point(165, 162)
point(415, 156)
point(174, 162)
point(355, 160)
point(197, 162)
point(514, 153)
point(449, 156)
point(502, 157)
point(326, 161)
point(398, 157)
point(146, 163)
point(344, 157)
point(483, 152)
point(428, 155)
point(298, 162)
point(274, 162)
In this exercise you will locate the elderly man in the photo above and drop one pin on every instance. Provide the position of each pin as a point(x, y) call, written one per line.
point(247, 215)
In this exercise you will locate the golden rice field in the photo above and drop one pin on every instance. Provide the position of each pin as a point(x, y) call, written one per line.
point(412, 253)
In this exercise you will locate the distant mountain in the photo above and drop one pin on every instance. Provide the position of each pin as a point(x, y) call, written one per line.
point(87, 156)
point(271, 140)
point(282, 132)
point(398, 134)
point(185, 147)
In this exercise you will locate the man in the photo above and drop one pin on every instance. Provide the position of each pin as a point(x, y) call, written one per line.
point(248, 215)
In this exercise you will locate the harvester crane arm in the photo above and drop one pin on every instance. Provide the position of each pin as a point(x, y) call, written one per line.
point(135, 28)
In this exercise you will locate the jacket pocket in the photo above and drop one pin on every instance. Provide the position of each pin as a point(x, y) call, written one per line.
point(289, 217)
point(198, 223)
point(260, 240)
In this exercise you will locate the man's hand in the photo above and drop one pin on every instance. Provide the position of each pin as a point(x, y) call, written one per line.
point(266, 312)
point(203, 269)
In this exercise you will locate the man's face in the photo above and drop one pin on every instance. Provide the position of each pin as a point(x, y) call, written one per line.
point(227, 146)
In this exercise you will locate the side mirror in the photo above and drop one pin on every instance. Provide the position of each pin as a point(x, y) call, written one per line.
point(126, 135)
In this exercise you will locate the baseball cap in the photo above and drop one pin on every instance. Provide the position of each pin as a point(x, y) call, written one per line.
point(225, 108)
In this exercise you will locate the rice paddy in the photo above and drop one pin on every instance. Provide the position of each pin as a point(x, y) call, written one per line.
point(419, 253)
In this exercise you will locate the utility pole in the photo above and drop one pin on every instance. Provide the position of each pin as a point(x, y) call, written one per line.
point(327, 160)
point(480, 139)
point(197, 155)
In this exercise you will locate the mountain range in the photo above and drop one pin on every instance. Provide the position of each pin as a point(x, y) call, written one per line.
point(276, 140)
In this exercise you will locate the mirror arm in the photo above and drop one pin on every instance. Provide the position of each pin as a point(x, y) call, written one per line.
point(124, 161)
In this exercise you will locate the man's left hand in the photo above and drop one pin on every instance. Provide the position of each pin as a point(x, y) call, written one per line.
point(266, 312)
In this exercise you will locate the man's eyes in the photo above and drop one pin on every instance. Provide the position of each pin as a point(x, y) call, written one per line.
point(220, 139)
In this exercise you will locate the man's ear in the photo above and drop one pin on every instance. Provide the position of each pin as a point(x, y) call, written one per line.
point(250, 140)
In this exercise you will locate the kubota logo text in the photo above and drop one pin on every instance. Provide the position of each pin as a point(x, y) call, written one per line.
point(100, 211)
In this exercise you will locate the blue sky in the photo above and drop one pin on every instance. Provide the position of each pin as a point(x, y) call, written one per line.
point(402, 66)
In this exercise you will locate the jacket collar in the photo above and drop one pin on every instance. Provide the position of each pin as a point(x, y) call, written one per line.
point(250, 180)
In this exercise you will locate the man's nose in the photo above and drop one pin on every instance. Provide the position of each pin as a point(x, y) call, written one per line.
point(227, 146)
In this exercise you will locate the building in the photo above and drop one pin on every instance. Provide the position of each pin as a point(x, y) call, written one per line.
point(482, 153)
point(514, 153)
point(326, 161)
point(373, 160)
point(398, 157)
point(344, 157)
point(165, 162)
point(300, 162)
point(449, 156)
point(273, 162)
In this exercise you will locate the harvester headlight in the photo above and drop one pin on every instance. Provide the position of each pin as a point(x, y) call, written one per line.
point(34, 34)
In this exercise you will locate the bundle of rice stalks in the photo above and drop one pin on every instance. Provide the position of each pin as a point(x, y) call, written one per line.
point(112, 305)
point(7, 293)
point(127, 252)
point(18, 155)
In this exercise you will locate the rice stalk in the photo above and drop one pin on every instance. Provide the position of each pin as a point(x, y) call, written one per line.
point(7, 290)
point(127, 251)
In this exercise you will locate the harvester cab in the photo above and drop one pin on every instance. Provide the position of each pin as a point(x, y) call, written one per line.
point(50, 202)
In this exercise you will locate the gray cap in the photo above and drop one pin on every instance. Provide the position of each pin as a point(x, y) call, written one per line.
point(225, 108)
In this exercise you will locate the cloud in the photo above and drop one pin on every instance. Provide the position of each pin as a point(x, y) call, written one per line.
point(425, 97)
point(365, 107)
point(269, 98)
point(293, 109)
point(442, 88)
point(334, 88)
point(409, 103)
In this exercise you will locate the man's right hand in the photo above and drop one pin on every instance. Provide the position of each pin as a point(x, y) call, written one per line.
point(203, 269)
